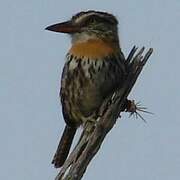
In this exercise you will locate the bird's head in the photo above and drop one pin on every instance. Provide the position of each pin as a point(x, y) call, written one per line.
point(89, 25)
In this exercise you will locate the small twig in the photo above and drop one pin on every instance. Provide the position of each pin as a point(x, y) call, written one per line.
point(131, 54)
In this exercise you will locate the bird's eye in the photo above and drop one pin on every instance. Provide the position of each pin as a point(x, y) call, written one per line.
point(91, 20)
point(88, 21)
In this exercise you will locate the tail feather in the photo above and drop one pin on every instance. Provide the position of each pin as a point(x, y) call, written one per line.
point(64, 146)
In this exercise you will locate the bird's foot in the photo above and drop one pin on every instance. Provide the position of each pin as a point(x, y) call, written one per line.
point(89, 124)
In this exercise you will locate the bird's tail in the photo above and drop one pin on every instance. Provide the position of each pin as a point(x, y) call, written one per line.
point(64, 146)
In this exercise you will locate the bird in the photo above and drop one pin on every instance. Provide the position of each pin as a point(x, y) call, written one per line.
point(94, 68)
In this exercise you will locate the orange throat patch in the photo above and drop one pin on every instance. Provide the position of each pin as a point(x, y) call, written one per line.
point(92, 49)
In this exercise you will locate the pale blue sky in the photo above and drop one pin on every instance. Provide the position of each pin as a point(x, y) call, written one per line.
point(31, 61)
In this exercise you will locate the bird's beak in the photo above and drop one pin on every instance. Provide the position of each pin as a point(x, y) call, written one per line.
point(64, 27)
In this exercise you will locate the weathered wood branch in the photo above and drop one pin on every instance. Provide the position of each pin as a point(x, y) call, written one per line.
point(94, 133)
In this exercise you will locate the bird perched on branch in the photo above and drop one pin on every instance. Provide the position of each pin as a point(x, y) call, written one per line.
point(94, 68)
